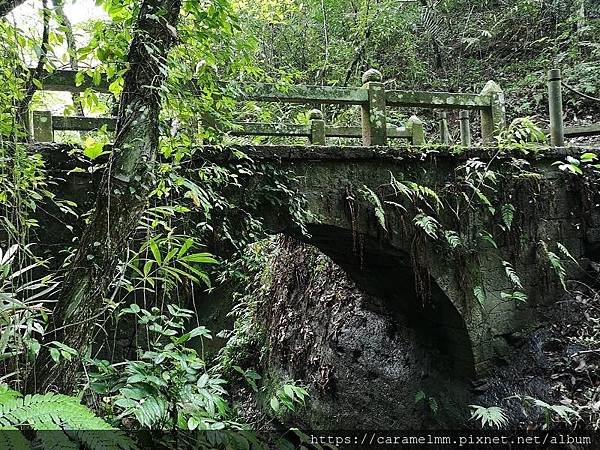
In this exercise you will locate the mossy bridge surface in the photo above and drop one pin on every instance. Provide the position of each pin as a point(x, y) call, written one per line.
point(467, 243)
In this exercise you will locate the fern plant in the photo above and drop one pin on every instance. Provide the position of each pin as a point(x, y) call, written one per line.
point(552, 413)
point(493, 416)
point(373, 199)
point(428, 224)
point(72, 424)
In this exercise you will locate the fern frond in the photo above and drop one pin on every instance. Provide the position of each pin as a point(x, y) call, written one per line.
point(428, 224)
point(566, 252)
point(98, 439)
point(479, 293)
point(485, 201)
point(515, 295)
point(56, 440)
point(423, 193)
point(414, 191)
point(7, 394)
point(508, 212)
point(453, 239)
point(557, 266)
point(373, 199)
point(492, 416)
point(56, 413)
point(512, 275)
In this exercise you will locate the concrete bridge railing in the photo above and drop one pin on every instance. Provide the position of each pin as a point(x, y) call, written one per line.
point(557, 130)
point(372, 97)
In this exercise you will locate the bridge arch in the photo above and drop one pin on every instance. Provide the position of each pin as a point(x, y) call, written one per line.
point(388, 274)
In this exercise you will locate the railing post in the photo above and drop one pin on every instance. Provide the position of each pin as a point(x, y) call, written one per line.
point(493, 120)
point(317, 127)
point(444, 131)
point(555, 108)
point(465, 129)
point(415, 125)
point(41, 126)
point(374, 128)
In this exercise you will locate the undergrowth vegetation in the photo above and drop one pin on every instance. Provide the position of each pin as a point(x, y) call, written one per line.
point(202, 231)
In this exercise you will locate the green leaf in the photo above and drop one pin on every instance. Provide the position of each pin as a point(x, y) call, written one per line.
point(274, 404)
point(155, 251)
point(55, 354)
point(479, 293)
point(92, 149)
point(192, 423)
point(588, 157)
point(185, 247)
point(204, 258)
point(420, 396)
point(148, 267)
point(289, 391)
point(79, 78)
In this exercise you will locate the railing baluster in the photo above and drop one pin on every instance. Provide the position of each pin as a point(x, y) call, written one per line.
point(415, 125)
point(41, 126)
point(444, 131)
point(373, 114)
point(317, 127)
point(493, 119)
point(465, 129)
point(555, 108)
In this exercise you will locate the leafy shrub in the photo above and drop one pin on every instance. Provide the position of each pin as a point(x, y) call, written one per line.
point(22, 311)
point(169, 386)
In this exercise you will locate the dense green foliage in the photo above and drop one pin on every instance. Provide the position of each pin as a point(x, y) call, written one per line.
point(167, 381)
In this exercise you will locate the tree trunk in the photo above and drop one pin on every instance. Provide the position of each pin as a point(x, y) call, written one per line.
point(121, 199)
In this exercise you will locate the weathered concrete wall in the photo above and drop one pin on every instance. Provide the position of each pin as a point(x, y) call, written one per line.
point(368, 366)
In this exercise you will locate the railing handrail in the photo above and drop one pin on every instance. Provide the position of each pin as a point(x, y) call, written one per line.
point(66, 81)
point(372, 97)
point(44, 130)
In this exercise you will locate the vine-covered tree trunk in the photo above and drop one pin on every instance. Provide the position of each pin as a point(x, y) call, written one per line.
point(121, 199)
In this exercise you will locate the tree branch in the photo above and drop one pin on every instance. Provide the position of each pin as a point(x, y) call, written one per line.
point(23, 106)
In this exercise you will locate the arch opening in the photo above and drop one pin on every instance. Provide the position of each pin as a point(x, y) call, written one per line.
point(387, 274)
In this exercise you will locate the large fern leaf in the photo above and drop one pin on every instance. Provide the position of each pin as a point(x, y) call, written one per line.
point(51, 415)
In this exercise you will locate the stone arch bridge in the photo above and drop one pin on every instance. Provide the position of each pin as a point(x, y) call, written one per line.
point(470, 277)
point(463, 298)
